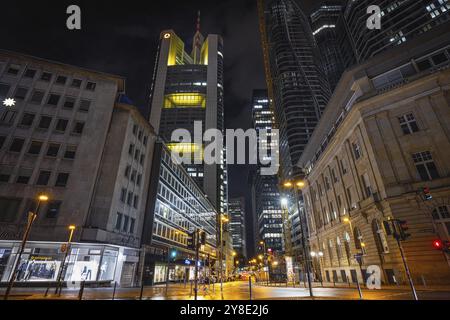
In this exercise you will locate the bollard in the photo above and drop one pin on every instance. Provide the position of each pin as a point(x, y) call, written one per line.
point(114, 291)
point(142, 291)
point(250, 287)
point(80, 294)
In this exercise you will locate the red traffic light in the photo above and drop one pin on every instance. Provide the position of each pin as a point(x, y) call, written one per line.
point(438, 245)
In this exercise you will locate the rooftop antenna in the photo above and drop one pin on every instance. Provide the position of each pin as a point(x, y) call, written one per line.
point(197, 39)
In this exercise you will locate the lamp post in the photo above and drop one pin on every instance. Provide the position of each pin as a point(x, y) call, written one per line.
point(223, 219)
point(62, 272)
point(297, 186)
point(31, 217)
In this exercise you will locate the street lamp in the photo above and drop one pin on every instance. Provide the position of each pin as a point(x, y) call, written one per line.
point(297, 186)
point(223, 219)
point(31, 217)
point(62, 272)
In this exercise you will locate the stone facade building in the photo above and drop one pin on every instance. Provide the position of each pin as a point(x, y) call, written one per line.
point(73, 136)
point(384, 137)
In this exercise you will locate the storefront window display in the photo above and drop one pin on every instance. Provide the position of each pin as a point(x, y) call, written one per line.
point(160, 274)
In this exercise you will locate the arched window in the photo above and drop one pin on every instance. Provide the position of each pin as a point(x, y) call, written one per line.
point(347, 245)
point(330, 251)
point(359, 240)
point(338, 248)
point(380, 237)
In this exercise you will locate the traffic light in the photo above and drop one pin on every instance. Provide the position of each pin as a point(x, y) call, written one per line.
point(427, 194)
point(438, 244)
point(202, 238)
point(403, 229)
point(442, 245)
point(191, 240)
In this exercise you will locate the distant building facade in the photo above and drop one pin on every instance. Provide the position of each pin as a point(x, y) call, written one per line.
point(269, 222)
point(176, 208)
point(237, 226)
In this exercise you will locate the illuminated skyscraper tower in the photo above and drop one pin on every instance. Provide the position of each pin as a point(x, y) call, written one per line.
point(188, 88)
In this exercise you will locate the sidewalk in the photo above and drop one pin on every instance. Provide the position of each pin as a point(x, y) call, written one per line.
point(341, 285)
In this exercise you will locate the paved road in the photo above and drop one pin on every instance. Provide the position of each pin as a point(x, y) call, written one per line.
point(235, 291)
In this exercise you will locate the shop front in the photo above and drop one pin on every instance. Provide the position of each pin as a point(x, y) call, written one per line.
point(42, 262)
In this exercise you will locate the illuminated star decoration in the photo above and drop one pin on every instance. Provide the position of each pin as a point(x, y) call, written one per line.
point(9, 102)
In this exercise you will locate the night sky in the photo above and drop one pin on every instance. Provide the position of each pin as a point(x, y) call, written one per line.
point(121, 37)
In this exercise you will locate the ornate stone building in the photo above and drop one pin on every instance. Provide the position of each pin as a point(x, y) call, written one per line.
point(384, 137)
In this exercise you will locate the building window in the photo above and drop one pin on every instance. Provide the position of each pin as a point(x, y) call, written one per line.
point(327, 183)
point(21, 93)
point(35, 148)
point(53, 99)
point(16, 145)
point(136, 155)
point(425, 165)
point(380, 237)
point(141, 161)
point(119, 221)
point(27, 120)
point(46, 76)
point(139, 179)
point(43, 179)
point(13, 70)
point(123, 195)
point(61, 80)
point(45, 122)
point(131, 150)
point(53, 150)
point(61, 180)
point(84, 105)
point(135, 128)
point(76, 83)
point(145, 140)
point(24, 176)
point(408, 123)
point(366, 184)
point(441, 213)
point(356, 150)
point(126, 220)
point(91, 86)
point(53, 209)
point(69, 103)
point(333, 176)
point(30, 73)
point(37, 97)
point(127, 171)
point(5, 174)
point(344, 167)
point(70, 152)
point(130, 198)
point(61, 125)
point(132, 223)
point(78, 128)
point(136, 202)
